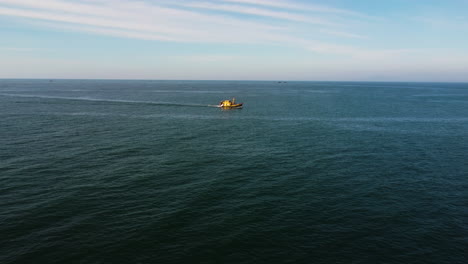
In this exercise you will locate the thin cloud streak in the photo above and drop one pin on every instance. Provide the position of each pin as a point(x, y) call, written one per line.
point(77, 19)
point(141, 20)
point(16, 49)
point(262, 12)
point(135, 28)
point(343, 34)
point(296, 6)
point(128, 10)
point(68, 7)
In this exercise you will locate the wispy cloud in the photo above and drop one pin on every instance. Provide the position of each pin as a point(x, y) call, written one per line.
point(262, 12)
point(297, 6)
point(343, 34)
point(297, 36)
point(157, 22)
point(208, 58)
point(192, 21)
point(17, 49)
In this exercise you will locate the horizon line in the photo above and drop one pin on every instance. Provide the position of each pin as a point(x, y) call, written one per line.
point(225, 80)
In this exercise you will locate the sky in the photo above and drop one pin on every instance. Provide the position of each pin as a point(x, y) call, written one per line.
point(333, 40)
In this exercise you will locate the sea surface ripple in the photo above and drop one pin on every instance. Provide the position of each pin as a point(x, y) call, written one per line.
point(308, 172)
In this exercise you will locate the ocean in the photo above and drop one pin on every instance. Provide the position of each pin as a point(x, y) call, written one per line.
point(112, 171)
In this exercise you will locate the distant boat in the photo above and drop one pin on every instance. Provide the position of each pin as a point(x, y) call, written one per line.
point(230, 104)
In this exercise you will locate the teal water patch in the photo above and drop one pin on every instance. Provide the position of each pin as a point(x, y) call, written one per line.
point(322, 172)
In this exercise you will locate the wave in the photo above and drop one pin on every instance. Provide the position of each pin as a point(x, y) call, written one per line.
point(449, 101)
point(441, 95)
point(390, 86)
point(188, 91)
point(351, 120)
point(107, 100)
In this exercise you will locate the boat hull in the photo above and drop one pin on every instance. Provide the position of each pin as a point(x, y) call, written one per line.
point(234, 106)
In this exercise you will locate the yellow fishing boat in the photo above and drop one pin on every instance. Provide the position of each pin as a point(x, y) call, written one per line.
point(230, 104)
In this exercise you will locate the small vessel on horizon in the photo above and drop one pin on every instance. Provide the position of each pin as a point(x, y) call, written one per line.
point(229, 104)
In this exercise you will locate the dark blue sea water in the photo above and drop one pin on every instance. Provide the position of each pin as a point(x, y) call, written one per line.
point(307, 172)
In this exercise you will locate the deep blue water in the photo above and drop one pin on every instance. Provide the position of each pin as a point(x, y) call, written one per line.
point(307, 172)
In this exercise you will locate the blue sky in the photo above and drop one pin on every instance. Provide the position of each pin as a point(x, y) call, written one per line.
point(336, 40)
